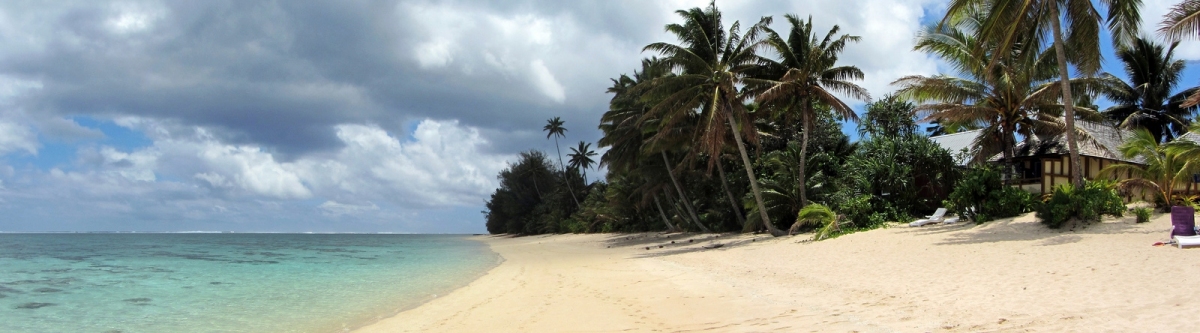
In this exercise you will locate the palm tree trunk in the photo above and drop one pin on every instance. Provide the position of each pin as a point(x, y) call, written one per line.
point(762, 208)
point(682, 197)
point(566, 177)
point(1068, 102)
point(732, 200)
point(806, 123)
point(663, 214)
point(682, 215)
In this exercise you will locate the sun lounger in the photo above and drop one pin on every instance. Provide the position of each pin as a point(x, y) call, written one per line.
point(1183, 219)
point(937, 217)
point(951, 220)
point(1186, 241)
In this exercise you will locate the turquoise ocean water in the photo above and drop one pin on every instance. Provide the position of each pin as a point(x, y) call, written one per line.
point(224, 282)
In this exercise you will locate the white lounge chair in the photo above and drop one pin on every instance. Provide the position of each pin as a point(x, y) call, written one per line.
point(937, 217)
point(1185, 241)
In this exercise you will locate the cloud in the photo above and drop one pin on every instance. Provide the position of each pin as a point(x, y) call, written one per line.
point(545, 81)
point(16, 137)
point(337, 208)
point(294, 112)
point(443, 165)
point(1152, 18)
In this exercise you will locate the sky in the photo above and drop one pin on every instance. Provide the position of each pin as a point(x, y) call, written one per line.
point(350, 116)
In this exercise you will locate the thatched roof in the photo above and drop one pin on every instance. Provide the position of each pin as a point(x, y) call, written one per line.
point(1102, 140)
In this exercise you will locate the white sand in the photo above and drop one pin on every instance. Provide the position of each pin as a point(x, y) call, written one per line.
point(1011, 275)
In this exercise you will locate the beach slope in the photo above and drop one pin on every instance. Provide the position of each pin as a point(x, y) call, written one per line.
point(1006, 275)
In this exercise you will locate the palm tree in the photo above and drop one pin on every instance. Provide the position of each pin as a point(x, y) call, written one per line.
point(806, 76)
point(1183, 21)
point(554, 128)
point(712, 64)
point(1146, 101)
point(1008, 98)
point(626, 130)
point(1023, 24)
point(1164, 168)
point(581, 157)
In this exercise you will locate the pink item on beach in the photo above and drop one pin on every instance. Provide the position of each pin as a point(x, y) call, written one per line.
point(1184, 220)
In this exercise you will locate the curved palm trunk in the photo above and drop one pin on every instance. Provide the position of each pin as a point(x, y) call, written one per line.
point(663, 214)
point(807, 123)
point(1068, 102)
point(682, 197)
point(680, 211)
point(737, 137)
point(566, 178)
point(732, 200)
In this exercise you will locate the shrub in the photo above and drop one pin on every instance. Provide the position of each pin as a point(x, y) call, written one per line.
point(1086, 204)
point(1143, 214)
point(981, 195)
point(816, 215)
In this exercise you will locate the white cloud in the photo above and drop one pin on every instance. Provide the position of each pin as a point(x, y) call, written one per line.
point(253, 169)
point(515, 46)
point(16, 137)
point(443, 165)
point(137, 166)
point(336, 208)
point(545, 81)
point(130, 18)
point(1152, 17)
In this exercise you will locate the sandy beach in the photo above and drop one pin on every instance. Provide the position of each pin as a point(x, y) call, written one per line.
point(1008, 275)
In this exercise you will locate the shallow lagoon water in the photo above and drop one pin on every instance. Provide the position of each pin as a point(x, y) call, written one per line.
point(224, 282)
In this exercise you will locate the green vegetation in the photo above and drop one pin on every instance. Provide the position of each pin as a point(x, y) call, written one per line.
point(1084, 205)
point(982, 196)
point(1162, 171)
point(732, 97)
point(1143, 214)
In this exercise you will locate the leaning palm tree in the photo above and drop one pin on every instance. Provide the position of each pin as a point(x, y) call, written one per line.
point(711, 64)
point(1162, 169)
point(1025, 24)
point(1146, 100)
point(554, 128)
point(806, 77)
point(581, 157)
point(626, 130)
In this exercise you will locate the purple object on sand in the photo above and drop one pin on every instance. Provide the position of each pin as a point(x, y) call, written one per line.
point(1184, 220)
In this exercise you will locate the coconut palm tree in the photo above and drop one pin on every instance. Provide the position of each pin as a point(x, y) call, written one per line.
point(1146, 100)
point(554, 128)
point(626, 131)
point(1162, 170)
point(1004, 99)
point(1183, 21)
point(711, 63)
point(1024, 24)
point(806, 76)
point(581, 157)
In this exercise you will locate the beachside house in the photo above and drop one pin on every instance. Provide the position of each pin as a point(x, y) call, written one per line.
point(1041, 163)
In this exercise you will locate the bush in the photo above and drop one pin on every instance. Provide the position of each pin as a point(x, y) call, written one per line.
point(981, 195)
point(1143, 214)
point(1087, 204)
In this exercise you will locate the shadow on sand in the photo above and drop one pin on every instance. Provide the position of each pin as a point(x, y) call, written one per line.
point(663, 244)
point(1025, 228)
